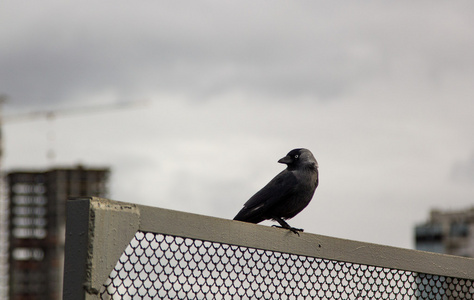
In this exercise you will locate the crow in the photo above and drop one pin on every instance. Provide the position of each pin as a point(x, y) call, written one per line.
point(285, 195)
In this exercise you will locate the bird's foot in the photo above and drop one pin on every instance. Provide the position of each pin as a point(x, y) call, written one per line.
point(292, 229)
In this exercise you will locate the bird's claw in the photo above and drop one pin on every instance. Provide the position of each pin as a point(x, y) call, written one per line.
point(292, 229)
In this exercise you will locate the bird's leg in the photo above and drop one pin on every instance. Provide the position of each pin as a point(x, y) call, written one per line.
point(287, 226)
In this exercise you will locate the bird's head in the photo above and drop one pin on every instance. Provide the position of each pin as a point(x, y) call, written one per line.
point(299, 158)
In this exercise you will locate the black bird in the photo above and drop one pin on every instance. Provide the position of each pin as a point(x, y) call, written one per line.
point(285, 195)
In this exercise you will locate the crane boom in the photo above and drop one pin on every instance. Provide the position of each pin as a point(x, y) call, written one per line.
point(49, 114)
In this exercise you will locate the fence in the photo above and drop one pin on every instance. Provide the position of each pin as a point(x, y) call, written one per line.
point(118, 250)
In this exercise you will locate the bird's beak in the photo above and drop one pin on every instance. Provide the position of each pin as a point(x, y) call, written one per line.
point(285, 160)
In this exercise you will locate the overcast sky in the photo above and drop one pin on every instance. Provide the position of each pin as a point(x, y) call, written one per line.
point(380, 92)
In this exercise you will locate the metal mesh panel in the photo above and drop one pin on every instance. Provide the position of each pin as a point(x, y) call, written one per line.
point(163, 266)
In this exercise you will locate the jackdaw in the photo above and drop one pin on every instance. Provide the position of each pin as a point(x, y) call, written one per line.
point(285, 195)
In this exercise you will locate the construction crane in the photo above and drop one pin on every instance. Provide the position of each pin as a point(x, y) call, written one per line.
point(29, 116)
point(53, 113)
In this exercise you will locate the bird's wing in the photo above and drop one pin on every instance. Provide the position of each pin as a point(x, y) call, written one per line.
point(277, 190)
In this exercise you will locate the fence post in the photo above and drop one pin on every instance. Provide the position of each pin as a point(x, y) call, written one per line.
point(75, 256)
point(97, 232)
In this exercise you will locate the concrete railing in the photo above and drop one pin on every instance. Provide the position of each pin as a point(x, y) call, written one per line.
point(117, 250)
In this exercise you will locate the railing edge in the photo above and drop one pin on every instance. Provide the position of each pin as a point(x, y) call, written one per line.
point(98, 231)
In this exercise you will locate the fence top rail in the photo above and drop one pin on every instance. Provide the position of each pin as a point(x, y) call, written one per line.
point(114, 224)
point(307, 244)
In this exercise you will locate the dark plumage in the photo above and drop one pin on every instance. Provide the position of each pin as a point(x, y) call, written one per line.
point(285, 195)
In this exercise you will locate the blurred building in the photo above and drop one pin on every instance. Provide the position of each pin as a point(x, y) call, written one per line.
point(37, 204)
point(448, 232)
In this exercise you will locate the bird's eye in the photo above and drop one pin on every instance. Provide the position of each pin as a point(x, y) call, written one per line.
point(296, 156)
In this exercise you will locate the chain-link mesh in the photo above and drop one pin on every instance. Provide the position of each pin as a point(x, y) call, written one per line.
point(163, 266)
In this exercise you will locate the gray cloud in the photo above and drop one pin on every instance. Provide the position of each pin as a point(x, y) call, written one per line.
point(380, 92)
point(65, 53)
